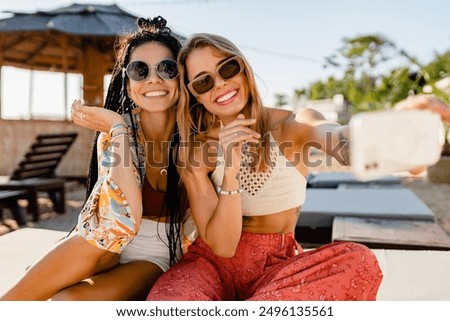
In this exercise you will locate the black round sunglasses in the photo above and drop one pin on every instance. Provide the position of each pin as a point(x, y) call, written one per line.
point(139, 70)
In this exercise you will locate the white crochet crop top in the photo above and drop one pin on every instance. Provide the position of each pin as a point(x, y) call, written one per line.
point(281, 188)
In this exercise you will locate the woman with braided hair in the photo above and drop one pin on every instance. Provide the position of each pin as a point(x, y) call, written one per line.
point(128, 232)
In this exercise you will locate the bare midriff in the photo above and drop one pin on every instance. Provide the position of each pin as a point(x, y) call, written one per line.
point(280, 223)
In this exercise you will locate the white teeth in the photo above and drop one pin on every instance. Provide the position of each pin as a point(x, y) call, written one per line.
point(227, 96)
point(155, 93)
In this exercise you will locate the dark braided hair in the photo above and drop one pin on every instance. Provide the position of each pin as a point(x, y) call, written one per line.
point(117, 99)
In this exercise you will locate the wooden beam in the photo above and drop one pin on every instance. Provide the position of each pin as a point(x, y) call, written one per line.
point(64, 62)
point(29, 60)
point(1, 64)
point(12, 43)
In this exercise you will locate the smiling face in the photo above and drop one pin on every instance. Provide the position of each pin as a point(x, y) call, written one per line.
point(153, 94)
point(228, 97)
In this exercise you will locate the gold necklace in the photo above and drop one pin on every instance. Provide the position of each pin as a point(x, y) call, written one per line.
point(163, 170)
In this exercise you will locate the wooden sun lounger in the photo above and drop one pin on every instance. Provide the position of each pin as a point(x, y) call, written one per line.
point(8, 199)
point(36, 171)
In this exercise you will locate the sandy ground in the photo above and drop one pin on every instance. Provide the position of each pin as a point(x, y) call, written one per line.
point(434, 195)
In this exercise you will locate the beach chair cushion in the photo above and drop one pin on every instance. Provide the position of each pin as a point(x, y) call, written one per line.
point(323, 204)
point(334, 179)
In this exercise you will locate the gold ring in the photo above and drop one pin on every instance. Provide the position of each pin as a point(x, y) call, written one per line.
point(82, 116)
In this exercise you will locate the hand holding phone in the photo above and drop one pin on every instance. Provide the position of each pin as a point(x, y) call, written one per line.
point(385, 142)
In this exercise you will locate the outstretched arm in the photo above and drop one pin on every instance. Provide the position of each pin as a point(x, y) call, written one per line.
point(333, 138)
point(328, 136)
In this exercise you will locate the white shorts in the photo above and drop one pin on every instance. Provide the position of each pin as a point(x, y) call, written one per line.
point(150, 244)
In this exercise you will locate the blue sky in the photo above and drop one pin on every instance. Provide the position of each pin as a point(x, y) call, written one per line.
point(286, 41)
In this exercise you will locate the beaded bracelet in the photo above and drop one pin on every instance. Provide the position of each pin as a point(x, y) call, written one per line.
point(117, 126)
point(115, 134)
point(220, 191)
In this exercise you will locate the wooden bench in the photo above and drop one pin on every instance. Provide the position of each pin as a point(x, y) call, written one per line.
point(392, 234)
point(36, 171)
point(8, 199)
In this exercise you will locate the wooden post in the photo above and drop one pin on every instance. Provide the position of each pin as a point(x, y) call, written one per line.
point(64, 63)
point(94, 69)
point(31, 95)
point(0, 89)
point(1, 65)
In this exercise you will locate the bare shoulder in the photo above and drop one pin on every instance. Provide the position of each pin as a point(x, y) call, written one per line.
point(285, 126)
point(308, 115)
point(278, 116)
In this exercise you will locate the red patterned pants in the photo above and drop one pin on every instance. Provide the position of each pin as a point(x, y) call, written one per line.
point(272, 267)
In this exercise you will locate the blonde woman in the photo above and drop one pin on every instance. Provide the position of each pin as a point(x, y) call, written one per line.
point(245, 167)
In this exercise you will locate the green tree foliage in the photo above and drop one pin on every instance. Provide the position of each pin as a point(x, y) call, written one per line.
point(365, 83)
point(361, 55)
point(439, 67)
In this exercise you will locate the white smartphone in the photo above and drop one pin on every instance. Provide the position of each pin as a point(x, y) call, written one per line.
point(385, 142)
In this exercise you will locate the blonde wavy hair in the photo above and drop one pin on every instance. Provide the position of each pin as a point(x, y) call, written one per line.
point(193, 118)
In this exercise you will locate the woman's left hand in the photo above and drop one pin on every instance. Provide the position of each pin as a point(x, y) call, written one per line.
point(428, 102)
point(97, 118)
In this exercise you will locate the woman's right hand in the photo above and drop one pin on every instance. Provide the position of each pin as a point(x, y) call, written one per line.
point(96, 118)
point(233, 136)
